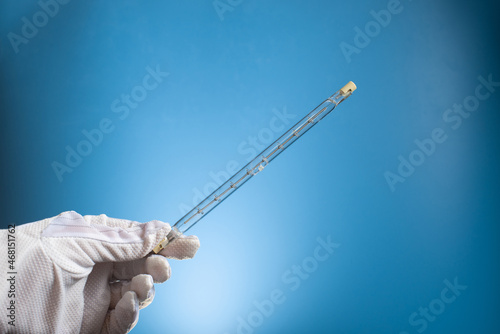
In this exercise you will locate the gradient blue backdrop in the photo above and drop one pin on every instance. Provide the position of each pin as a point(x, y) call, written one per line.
point(226, 78)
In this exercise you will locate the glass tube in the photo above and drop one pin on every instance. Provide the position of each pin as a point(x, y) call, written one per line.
point(258, 163)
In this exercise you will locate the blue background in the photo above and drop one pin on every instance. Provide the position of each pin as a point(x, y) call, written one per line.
point(226, 78)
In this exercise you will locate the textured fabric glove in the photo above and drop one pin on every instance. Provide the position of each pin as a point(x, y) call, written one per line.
point(87, 274)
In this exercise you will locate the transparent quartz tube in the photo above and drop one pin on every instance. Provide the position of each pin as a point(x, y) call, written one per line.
point(256, 165)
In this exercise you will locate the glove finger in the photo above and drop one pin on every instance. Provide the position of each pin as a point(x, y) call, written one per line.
point(142, 285)
point(124, 317)
point(126, 240)
point(116, 292)
point(102, 239)
point(182, 248)
point(155, 265)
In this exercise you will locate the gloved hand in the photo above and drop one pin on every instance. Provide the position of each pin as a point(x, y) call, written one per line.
point(87, 274)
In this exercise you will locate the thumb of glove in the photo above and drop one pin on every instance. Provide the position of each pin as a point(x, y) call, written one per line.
point(93, 239)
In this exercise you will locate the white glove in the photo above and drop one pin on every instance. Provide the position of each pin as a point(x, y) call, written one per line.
point(87, 274)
